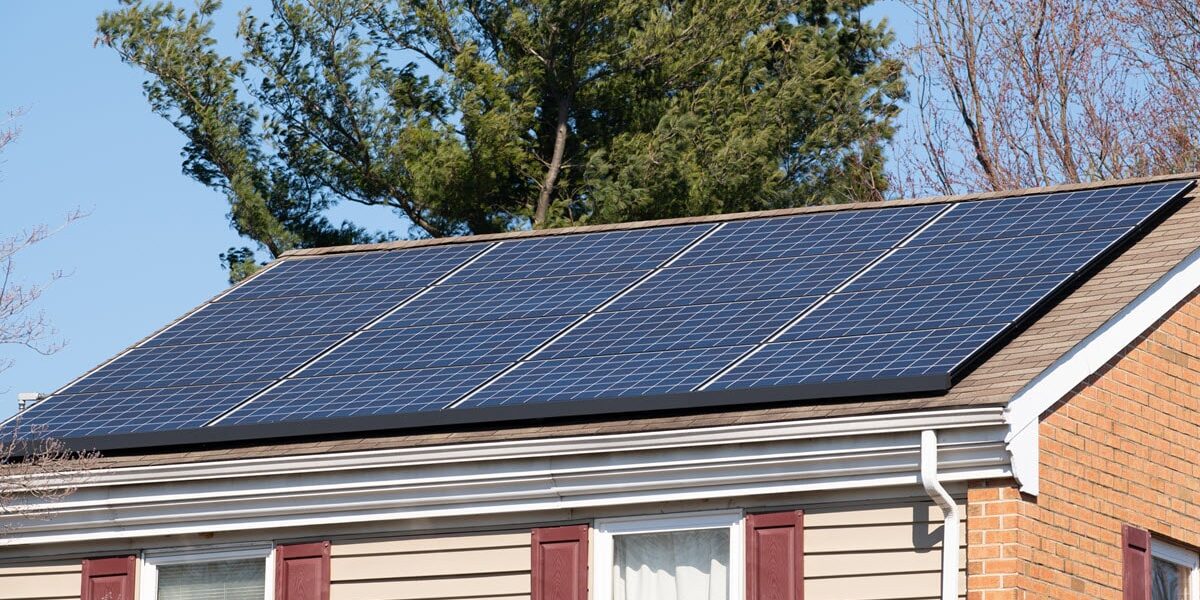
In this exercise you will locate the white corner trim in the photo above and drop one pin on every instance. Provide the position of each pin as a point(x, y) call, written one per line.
point(1025, 447)
point(514, 477)
point(1087, 357)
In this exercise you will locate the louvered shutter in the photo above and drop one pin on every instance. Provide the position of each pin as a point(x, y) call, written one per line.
point(560, 561)
point(775, 556)
point(108, 578)
point(302, 571)
point(1136, 558)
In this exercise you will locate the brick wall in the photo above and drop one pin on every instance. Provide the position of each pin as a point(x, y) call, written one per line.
point(1123, 447)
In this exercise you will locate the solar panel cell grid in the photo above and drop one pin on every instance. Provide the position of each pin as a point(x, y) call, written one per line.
point(394, 392)
point(928, 307)
point(676, 328)
point(1047, 214)
point(341, 273)
point(857, 358)
point(559, 256)
point(743, 281)
point(281, 317)
point(222, 362)
point(132, 411)
point(512, 299)
point(988, 259)
point(609, 376)
point(437, 346)
point(809, 235)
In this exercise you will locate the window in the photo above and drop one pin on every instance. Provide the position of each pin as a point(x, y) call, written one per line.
point(695, 556)
point(243, 573)
point(1173, 572)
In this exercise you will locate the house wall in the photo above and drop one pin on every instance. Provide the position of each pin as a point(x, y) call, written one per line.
point(491, 565)
point(41, 580)
point(1120, 449)
point(872, 550)
point(862, 546)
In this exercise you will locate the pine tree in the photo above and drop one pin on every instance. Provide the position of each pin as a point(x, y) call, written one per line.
point(472, 116)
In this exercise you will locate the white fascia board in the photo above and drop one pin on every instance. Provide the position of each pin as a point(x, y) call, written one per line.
point(517, 477)
point(527, 448)
point(1027, 406)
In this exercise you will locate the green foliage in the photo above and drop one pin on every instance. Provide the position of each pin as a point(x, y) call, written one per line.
point(473, 116)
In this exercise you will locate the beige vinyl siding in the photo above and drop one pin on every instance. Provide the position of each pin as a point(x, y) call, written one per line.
point(486, 566)
point(877, 551)
point(59, 580)
point(889, 552)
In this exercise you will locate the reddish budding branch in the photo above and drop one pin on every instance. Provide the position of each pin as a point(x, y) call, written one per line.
point(34, 470)
point(1021, 93)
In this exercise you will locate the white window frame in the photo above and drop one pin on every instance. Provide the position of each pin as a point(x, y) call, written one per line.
point(1182, 557)
point(604, 530)
point(152, 559)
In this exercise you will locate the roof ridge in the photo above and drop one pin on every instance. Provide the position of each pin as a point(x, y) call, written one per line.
point(741, 216)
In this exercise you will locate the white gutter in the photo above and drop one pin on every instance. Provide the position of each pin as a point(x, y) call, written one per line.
point(950, 535)
point(467, 481)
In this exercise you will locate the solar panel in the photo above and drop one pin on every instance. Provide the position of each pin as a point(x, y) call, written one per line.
point(393, 392)
point(280, 317)
point(927, 307)
point(1004, 258)
point(743, 281)
point(477, 321)
point(840, 297)
point(357, 272)
point(511, 299)
point(438, 346)
point(222, 362)
point(216, 357)
point(952, 289)
point(857, 358)
point(1046, 214)
point(131, 411)
point(607, 376)
point(809, 235)
point(562, 255)
point(675, 328)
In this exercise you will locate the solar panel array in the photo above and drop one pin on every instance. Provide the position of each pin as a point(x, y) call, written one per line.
point(811, 299)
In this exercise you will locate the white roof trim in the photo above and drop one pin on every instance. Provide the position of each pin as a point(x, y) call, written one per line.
point(496, 478)
point(1087, 357)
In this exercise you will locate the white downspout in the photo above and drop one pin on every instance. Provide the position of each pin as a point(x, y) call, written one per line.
point(950, 525)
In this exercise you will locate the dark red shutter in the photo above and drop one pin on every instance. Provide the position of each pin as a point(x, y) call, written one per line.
point(560, 561)
point(302, 571)
point(775, 556)
point(1136, 556)
point(108, 578)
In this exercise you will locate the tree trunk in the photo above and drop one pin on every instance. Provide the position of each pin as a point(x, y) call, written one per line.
point(552, 172)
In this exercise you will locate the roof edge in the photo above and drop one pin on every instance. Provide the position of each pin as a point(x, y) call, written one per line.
point(780, 212)
point(667, 403)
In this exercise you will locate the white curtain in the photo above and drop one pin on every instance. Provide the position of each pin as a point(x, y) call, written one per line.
point(681, 565)
point(222, 580)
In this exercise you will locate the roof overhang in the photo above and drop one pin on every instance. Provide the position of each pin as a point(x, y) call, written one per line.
point(518, 478)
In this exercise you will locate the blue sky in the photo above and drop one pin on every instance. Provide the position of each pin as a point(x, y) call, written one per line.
point(147, 252)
